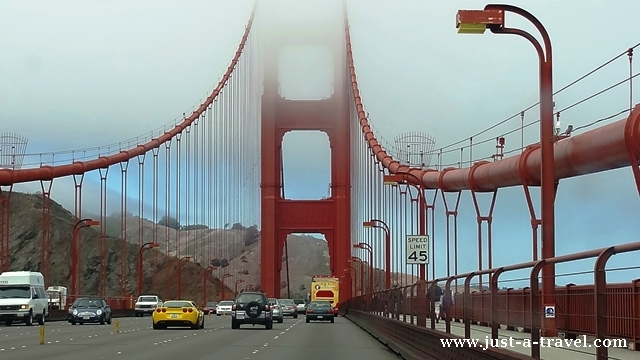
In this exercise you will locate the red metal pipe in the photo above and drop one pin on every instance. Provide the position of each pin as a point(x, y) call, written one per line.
point(357, 259)
point(594, 151)
point(222, 295)
point(387, 242)
point(238, 282)
point(368, 248)
point(204, 283)
point(144, 247)
point(186, 258)
point(9, 177)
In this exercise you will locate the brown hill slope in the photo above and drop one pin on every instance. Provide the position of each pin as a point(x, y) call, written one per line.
point(26, 243)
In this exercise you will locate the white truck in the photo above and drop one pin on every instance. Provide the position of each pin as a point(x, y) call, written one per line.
point(57, 297)
point(23, 298)
point(147, 304)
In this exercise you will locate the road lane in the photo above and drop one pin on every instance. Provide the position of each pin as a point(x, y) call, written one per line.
point(290, 340)
point(323, 340)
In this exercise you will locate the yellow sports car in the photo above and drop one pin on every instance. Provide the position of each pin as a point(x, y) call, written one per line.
point(178, 313)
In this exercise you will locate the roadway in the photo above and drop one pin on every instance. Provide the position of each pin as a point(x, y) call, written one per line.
point(292, 340)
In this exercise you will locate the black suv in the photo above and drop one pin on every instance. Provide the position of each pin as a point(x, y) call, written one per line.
point(251, 308)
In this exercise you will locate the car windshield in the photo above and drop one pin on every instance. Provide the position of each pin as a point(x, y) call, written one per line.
point(88, 303)
point(286, 301)
point(247, 298)
point(177, 304)
point(147, 299)
point(210, 304)
point(225, 303)
point(273, 301)
point(15, 292)
point(319, 304)
point(298, 301)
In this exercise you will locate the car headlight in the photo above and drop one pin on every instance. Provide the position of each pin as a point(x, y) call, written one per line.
point(25, 307)
point(75, 312)
point(99, 312)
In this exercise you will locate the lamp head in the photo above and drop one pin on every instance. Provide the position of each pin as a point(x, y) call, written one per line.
point(154, 245)
point(393, 179)
point(92, 222)
point(368, 224)
point(476, 21)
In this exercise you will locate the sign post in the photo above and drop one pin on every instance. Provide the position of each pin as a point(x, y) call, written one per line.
point(417, 249)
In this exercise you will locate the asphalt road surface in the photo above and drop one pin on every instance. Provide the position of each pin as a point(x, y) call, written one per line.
point(293, 339)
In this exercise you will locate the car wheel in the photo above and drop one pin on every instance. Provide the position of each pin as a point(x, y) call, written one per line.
point(29, 320)
point(235, 324)
point(295, 316)
point(280, 321)
point(102, 320)
point(73, 323)
point(156, 326)
point(307, 320)
point(41, 319)
point(268, 325)
point(109, 320)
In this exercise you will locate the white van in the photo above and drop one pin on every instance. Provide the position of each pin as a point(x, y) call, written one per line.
point(22, 297)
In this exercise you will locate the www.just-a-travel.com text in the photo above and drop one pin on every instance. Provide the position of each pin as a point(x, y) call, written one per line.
point(544, 342)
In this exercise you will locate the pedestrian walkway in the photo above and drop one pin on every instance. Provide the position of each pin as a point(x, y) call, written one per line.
point(517, 340)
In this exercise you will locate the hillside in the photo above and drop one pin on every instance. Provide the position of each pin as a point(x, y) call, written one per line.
point(26, 240)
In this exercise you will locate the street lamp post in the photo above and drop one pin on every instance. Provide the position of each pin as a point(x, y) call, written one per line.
point(353, 274)
point(185, 259)
point(239, 281)
point(492, 17)
point(375, 223)
point(398, 178)
point(145, 246)
point(204, 283)
point(368, 248)
point(222, 295)
point(351, 282)
point(358, 260)
point(80, 224)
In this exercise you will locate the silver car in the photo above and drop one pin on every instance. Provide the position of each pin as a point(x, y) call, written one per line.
point(288, 308)
point(301, 306)
point(275, 310)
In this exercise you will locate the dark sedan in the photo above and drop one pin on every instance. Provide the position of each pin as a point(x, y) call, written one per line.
point(320, 311)
point(89, 310)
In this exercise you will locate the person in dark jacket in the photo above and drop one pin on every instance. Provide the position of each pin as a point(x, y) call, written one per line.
point(447, 302)
point(437, 297)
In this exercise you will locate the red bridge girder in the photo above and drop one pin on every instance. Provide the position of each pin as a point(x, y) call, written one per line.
point(605, 148)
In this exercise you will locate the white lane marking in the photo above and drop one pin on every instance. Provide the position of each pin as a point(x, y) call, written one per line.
point(265, 344)
point(276, 337)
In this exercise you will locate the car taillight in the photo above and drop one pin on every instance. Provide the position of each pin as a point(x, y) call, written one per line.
point(293, 307)
point(184, 310)
point(164, 310)
point(309, 311)
point(233, 307)
point(190, 310)
point(159, 310)
point(267, 308)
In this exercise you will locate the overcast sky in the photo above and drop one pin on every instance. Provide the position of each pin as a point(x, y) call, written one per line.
point(77, 73)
